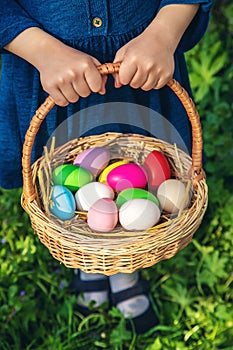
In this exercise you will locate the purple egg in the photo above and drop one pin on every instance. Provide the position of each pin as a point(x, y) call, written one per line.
point(93, 159)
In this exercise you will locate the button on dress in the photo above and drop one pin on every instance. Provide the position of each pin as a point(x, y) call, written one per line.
point(98, 28)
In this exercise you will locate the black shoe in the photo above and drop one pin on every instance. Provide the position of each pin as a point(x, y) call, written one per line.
point(79, 286)
point(147, 319)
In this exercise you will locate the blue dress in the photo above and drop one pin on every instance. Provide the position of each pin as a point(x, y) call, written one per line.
point(72, 23)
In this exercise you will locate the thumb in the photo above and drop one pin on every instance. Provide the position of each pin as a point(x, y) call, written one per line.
point(118, 58)
point(120, 54)
point(104, 78)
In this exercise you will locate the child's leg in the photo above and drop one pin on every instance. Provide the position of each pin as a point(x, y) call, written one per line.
point(129, 293)
point(99, 296)
point(90, 287)
point(135, 305)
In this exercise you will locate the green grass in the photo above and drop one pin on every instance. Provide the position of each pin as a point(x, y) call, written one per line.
point(192, 292)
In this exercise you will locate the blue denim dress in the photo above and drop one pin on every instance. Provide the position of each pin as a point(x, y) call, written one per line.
point(98, 28)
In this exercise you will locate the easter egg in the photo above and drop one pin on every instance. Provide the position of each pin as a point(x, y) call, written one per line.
point(138, 214)
point(132, 193)
point(103, 175)
point(157, 168)
point(90, 193)
point(93, 159)
point(127, 176)
point(71, 176)
point(62, 203)
point(172, 196)
point(102, 215)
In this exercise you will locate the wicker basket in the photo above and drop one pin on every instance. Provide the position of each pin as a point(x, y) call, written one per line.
point(72, 242)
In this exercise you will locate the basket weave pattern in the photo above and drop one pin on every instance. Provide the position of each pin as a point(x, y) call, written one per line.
point(73, 243)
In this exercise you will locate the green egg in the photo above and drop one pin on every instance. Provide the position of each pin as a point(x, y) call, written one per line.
point(71, 176)
point(133, 193)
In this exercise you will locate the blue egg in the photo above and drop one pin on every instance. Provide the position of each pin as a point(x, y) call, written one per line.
point(62, 203)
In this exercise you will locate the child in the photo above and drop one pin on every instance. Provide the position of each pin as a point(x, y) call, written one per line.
point(54, 47)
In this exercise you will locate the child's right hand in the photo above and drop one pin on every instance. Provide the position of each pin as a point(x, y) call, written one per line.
point(70, 74)
point(65, 73)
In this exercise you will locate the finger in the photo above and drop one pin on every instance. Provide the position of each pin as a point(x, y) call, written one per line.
point(127, 72)
point(139, 79)
point(103, 88)
point(59, 98)
point(150, 83)
point(119, 55)
point(93, 76)
point(117, 82)
point(69, 92)
point(81, 87)
point(163, 81)
point(160, 84)
point(55, 92)
point(101, 79)
point(95, 61)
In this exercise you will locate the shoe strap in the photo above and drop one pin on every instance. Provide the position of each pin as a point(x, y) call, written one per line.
point(141, 287)
point(79, 285)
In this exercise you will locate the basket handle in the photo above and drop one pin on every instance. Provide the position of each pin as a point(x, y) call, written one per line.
point(29, 193)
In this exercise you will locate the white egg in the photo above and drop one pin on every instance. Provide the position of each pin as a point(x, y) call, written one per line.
point(172, 196)
point(138, 214)
point(90, 193)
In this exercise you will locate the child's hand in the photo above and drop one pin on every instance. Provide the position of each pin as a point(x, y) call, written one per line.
point(65, 73)
point(146, 62)
point(69, 74)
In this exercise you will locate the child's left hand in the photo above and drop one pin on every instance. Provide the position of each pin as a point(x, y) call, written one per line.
point(147, 62)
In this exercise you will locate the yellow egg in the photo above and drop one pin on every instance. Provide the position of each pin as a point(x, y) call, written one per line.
point(103, 175)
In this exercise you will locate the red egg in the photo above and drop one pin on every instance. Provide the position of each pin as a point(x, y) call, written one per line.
point(157, 168)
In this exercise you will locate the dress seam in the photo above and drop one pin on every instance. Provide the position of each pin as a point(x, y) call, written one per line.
point(108, 35)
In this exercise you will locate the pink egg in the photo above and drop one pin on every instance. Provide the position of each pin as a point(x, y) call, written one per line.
point(127, 176)
point(93, 159)
point(157, 168)
point(103, 215)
